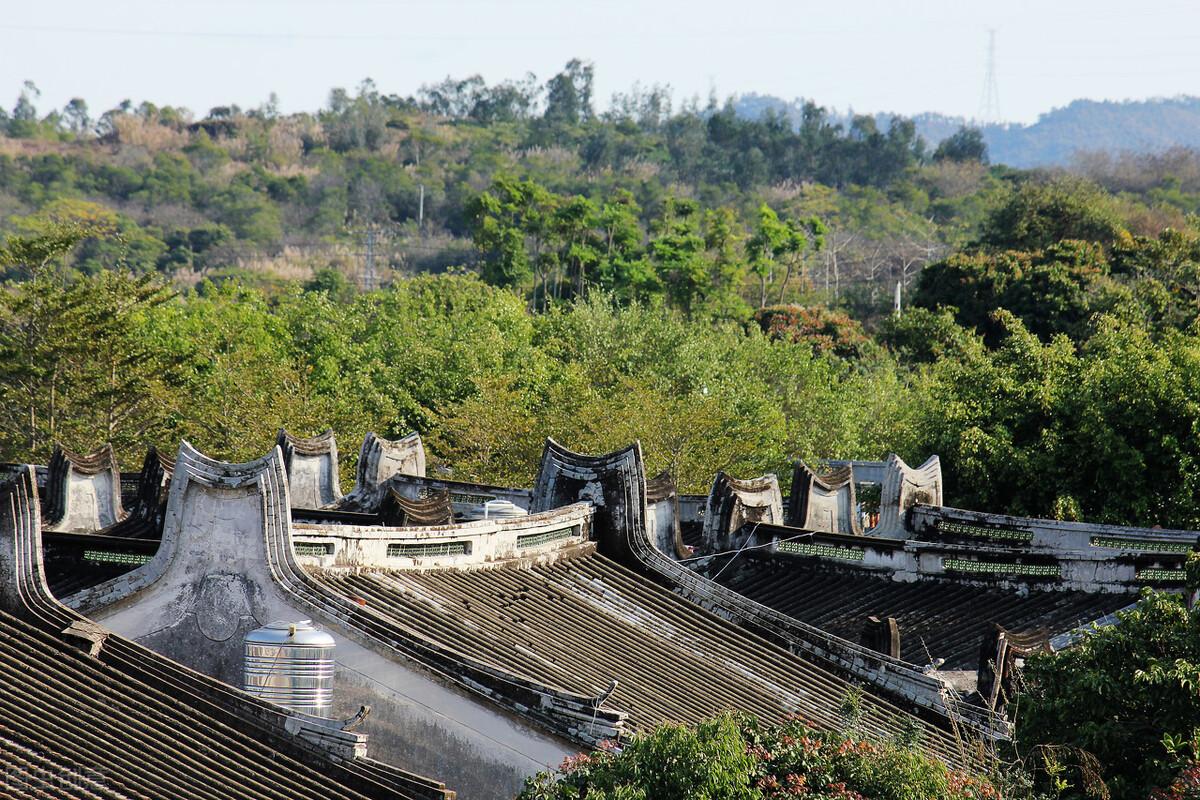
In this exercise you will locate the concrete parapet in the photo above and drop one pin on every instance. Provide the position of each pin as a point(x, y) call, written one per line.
point(312, 469)
point(83, 492)
point(734, 503)
point(823, 502)
point(378, 460)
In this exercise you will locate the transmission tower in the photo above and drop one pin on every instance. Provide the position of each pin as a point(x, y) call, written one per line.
point(989, 104)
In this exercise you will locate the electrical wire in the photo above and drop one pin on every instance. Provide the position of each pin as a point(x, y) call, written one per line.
point(805, 534)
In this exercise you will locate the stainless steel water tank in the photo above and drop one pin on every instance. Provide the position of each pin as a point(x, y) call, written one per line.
point(290, 663)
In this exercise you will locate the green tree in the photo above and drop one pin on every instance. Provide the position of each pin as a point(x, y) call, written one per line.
point(76, 363)
point(36, 330)
point(1163, 273)
point(196, 249)
point(1056, 290)
point(23, 122)
point(512, 224)
point(332, 282)
point(119, 380)
point(740, 758)
point(965, 144)
point(677, 249)
point(75, 116)
point(1127, 695)
point(1075, 417)
point(358, 122)
point(574, 224)
point(239, 381)
point(783, 242)
point(624, 269)
point(920, 336)
point(569, 93)
point(249, 214)
point(1039, 215)
point(723, 238)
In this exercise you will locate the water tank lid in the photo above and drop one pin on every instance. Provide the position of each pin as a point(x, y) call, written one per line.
point(300, 633)
point(283, 625)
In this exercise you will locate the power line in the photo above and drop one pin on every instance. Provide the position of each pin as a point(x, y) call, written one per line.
point(259, 35)
point(88, 31)
point(490, 36)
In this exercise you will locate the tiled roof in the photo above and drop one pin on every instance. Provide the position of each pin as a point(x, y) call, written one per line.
point(544, 634)
point(584, 620)
point(432, 710)
point(86, 729)
point(938, 618)
point(591, 640)
point(616, 483)
point(88, 714)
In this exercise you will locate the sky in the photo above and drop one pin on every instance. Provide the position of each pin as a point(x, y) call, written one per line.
point(902, 56)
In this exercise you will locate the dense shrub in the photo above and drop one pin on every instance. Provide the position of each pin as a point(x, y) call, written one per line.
point(1127, 696)
point(739, 758)
point(1185, 787)
point(825, 330)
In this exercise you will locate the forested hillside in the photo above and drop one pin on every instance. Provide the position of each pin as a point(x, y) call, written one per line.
point(208, 194)
point(718, 287)
point(1058, 138)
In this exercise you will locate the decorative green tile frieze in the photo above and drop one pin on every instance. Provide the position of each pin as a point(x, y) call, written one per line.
point(822, 550)
point(465, 498)
point(428, 549)
point(112, 557)
point(537, 539)
point(471, 499)
point(1142, 546)
point(1161, 575)
point(1002, 568)
point(981, 532)
point(312, 549)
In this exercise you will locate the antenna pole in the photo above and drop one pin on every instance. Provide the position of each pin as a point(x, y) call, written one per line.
point(368, 276)
point(989, 104)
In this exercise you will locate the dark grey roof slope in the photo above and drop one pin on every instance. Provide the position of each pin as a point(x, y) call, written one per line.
point(937, 618)
point(87, 714)
point(94, 731)
point(584, 620)
point(616, 481)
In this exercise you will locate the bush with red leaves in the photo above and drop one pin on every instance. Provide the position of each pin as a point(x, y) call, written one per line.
point(1185, 787)
point(826, 330)
point(739, 758)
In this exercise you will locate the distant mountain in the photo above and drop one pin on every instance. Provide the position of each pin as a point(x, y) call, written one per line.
point(1139, 126)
